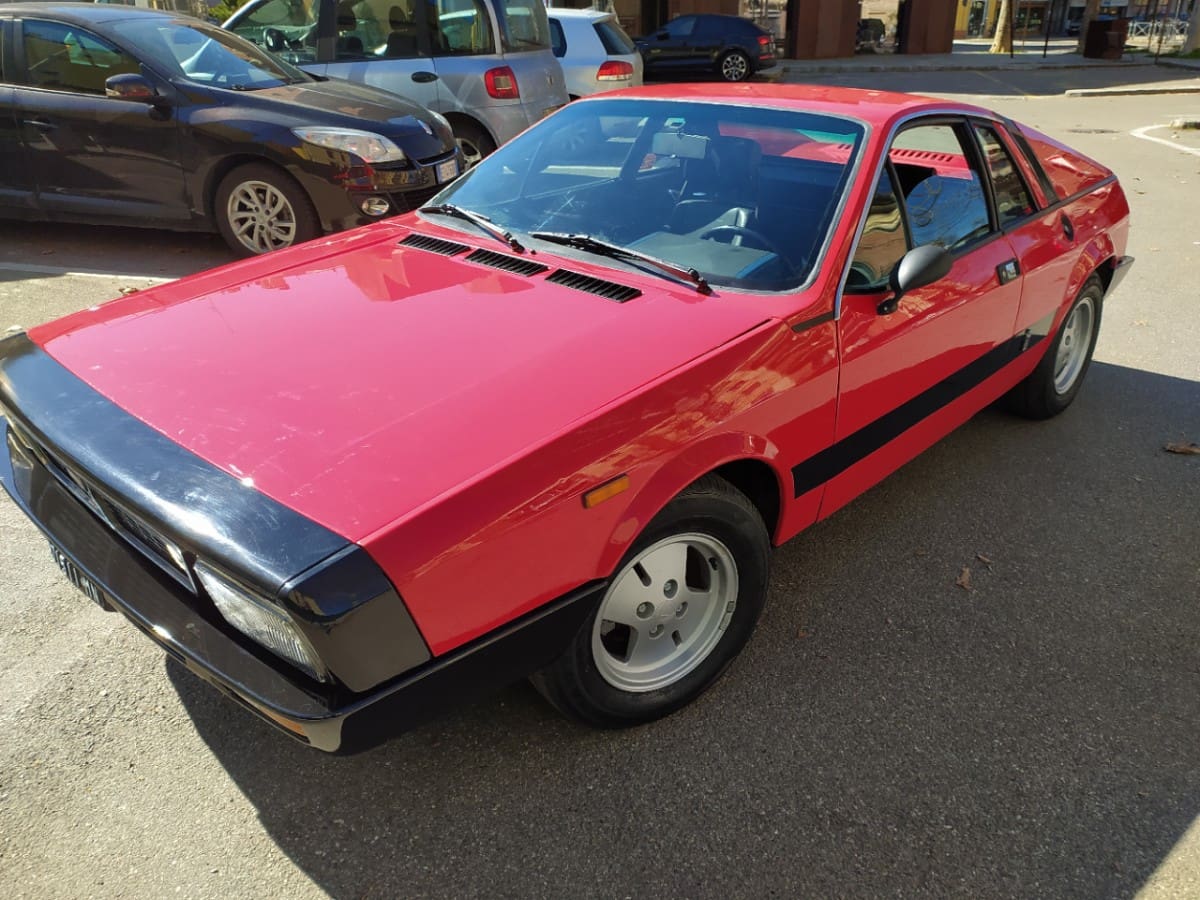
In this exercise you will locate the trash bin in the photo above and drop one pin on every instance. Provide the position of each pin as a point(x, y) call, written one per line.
point(1106, 38)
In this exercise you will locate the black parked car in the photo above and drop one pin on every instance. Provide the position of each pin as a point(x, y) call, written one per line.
point(111, 113)
point(732, 47)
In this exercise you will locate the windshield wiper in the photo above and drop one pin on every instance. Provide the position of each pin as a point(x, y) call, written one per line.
point(480, 221)
point(589, 244)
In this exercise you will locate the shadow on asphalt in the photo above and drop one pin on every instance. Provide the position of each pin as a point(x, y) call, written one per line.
point(113, 249)
point(886, 732)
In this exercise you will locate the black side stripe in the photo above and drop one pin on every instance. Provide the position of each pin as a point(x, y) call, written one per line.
point(832, 461)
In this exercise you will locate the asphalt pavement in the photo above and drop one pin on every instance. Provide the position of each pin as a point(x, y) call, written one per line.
point(886, 733)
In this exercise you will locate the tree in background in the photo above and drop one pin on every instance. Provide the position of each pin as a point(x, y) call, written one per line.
point(1089, 12)
point(1192, 42)
point(1002, 42)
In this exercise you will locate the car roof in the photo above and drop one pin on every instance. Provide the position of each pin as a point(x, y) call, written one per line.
point(555, 13)
point(873, 107)
point(84, 12)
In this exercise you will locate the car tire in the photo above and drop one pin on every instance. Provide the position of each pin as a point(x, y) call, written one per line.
point(473, 141)
point(734, 66)
point(1051, 387)
point(688, 595)
point(260, 208)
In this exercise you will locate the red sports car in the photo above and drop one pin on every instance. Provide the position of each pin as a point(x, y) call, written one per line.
point(552, 425)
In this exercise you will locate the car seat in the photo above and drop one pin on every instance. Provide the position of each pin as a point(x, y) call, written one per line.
point(721, 188)
point(402, 41)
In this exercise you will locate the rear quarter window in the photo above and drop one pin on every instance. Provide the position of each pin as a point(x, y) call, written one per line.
point(1068, 171)
point(616, 42)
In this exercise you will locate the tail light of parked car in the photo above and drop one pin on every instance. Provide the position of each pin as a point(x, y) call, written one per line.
point(615, 70)
point(764, 46)
point(501, 83)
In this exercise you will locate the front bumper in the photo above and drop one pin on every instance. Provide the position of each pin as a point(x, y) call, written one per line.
point(339, 201)
point(328, 720)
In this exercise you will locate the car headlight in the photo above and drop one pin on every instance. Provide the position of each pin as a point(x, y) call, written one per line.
point(261, 621)
point(366, 145)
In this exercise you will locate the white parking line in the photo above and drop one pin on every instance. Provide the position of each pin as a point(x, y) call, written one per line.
point(58, 270)
point(1141, 133)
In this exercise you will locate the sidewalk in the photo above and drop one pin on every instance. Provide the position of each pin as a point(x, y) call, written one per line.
point(1033, 69)
point(973, 55)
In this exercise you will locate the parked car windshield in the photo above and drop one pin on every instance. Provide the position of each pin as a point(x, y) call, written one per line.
point(523, 24)
point(744, 195)
point(205, 54)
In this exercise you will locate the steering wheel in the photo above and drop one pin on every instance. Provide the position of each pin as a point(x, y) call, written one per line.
point(275, 40)
point(764, 243)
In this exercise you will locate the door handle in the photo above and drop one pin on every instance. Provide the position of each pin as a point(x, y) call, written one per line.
point(1067, 227)
point(1008, 271)
point(40, 124)
point(424, 77)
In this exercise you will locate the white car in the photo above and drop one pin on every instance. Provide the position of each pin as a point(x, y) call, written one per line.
point(594, 51)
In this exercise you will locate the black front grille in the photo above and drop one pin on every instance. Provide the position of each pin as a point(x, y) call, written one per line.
point(609, 290)
point(407, 201)
point(134, 530)
point(507, 263)
point(434, 245)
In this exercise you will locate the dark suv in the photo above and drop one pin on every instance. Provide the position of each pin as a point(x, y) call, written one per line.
point(729, 46)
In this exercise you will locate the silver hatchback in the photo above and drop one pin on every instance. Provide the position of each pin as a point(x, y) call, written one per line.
point(594, 51)
point(485, 65)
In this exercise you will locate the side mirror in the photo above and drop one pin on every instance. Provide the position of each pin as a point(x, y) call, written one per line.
point(917, 268)
point(274, 40)
point(131, 87)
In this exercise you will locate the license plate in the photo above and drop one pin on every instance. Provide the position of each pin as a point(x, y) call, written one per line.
point(447, 171)
point(77, 578)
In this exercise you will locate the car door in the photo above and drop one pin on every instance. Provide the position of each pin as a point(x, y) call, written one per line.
point(910, 375)
point(708, 37)
point(383, 43)
point(671, 47)
point(89, 154)
point(16, 189)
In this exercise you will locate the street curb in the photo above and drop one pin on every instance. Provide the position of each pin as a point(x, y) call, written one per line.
point(841, 70)
point(1132, 92)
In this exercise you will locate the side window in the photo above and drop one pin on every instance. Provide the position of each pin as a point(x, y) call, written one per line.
point(365, 30)
point(558, 40)
point(280, 25)
point(463, 28)
point(61, 57)
point(941, 186)
point(681, 27)
point(882, 243)
point(1013, 200)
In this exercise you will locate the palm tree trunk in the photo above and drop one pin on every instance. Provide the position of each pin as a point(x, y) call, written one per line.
point(1002, 42)
point(1089, 12)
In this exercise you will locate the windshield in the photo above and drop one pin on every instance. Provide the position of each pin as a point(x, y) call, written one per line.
point(744, 195)
point(523, 24)
point(206, 54)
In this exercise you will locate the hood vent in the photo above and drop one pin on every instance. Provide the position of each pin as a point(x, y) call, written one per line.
point(434, 245)
point(507, 263)
point(609, 290)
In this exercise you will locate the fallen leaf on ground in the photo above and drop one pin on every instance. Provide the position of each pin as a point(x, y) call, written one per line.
point(47, 252)
point(983, 559)
point(1139, 321)
point(12, 329)
point(964, 580)
point(128, 290)
point(1184, 449)
point(801, 634)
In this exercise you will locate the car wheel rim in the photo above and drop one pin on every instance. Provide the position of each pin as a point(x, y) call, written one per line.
point(1073, 345)
point(261, 217)
point(734, 67)
point(471, 153)
point(664, 612)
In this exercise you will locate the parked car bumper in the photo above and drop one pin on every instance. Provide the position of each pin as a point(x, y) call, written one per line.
point(340, 201)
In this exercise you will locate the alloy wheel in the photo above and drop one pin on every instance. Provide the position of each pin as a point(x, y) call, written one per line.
point(665, 612)
point(1073, 345)
point(261, 217)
